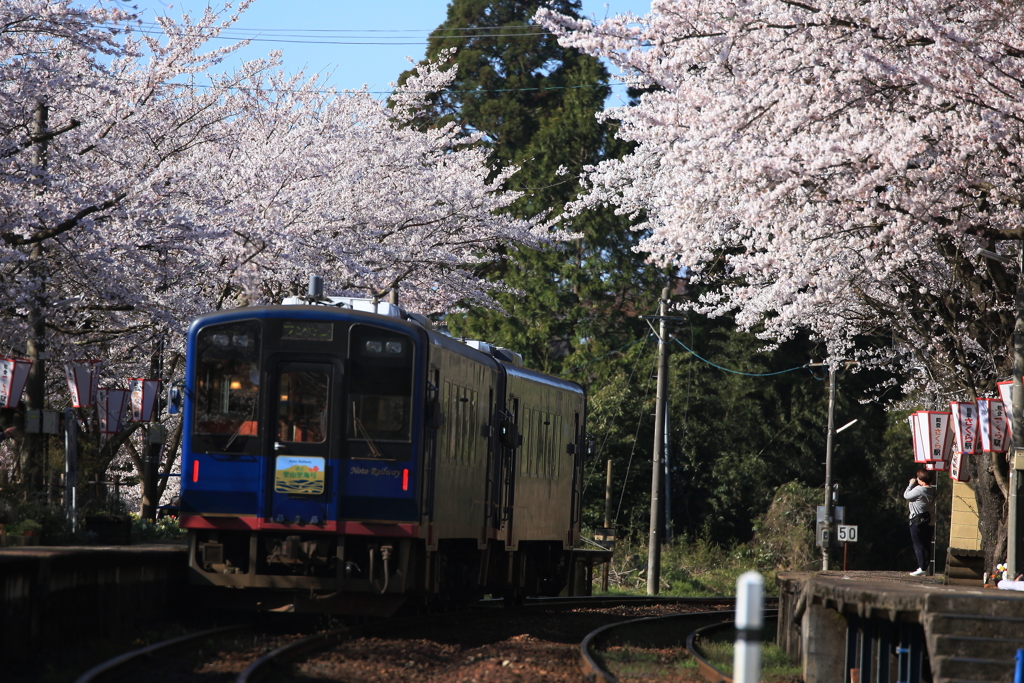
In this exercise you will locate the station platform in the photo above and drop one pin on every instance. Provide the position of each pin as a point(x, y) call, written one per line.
point(889, 627)
point(61, 594)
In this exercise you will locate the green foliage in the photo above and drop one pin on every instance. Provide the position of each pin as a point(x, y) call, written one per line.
point(35, 517)
point(164, 529)
point(698, 568)
point(735, 439)
point(784, 536)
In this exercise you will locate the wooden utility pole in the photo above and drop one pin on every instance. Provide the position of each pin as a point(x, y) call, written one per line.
point(657, 464)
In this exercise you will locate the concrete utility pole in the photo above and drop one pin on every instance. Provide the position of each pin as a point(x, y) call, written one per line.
point(829, 512)
point(657, 466)
point(607, 519)
point(829, 523)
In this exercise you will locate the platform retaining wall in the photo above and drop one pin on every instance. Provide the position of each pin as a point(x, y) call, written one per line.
point(63, 595)
point(888, 627)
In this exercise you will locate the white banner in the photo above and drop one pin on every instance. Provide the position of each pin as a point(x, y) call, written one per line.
point(965, 427)
point(83, 377)
point(13, 376)
point(937, 465)
point(993, 425)
point(111, 404)
point(939, 435)
point(1006, 395)
point(919, 431)
point(144, 394)
point(958, 468)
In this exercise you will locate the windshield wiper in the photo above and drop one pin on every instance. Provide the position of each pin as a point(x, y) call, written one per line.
point(358, 424)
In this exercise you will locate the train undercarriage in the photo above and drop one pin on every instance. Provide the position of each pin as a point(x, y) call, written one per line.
point(374, 576)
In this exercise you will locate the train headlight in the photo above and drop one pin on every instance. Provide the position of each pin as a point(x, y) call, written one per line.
point(374, 346)
point(393, 347)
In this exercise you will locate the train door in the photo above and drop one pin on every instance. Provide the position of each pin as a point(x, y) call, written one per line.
point(303, 418)
point(492, 506)
point(577, 452)
point(510, 442)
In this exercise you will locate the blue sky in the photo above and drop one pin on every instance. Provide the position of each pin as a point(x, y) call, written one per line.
point(357, 41)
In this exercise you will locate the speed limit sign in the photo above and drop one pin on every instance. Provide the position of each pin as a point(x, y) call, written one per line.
point(846, 533)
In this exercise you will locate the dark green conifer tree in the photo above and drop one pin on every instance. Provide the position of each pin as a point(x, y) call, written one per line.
point(536, 102)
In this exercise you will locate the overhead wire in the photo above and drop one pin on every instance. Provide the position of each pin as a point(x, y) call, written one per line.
point(285, 35)
point(736, 372)
point(150, 26)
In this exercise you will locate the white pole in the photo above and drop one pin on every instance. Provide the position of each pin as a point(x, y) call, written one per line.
point(746, 663)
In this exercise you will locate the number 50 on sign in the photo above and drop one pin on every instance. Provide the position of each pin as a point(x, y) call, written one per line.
point(846, 533)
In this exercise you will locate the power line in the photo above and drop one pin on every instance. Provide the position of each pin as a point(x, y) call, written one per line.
point(527, 29)
point(284, 36)
point(737, 372)
point(331, 91)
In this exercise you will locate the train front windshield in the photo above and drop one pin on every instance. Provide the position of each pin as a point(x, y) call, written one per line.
point(380, 385)
point(228, 379)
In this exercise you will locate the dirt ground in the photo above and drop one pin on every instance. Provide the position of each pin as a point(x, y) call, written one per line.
point(541, 648)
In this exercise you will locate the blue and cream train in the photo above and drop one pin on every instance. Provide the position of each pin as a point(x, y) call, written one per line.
point(347, 457)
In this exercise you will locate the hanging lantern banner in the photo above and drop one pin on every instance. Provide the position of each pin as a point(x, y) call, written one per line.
point(958, 468)
point(13, 376)
point(144, 394)
point(965, 427)
point(937, 434)
point(112, 404)
point(993, 425)
point(83, 377)
point(919, 431)
point(1006, 395)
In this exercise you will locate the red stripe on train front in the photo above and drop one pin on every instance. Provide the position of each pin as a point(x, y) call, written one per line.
point(259, 523)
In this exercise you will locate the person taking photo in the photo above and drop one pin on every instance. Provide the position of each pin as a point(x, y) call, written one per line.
point(920, 496)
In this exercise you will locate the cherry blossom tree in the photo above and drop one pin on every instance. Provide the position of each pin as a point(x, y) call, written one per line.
point(140, 187)
point(834, 166)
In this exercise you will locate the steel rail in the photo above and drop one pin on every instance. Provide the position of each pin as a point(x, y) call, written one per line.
point(705, 668)
point(667, 630)
point(273, 660)
point(592, 663)
point(123, 662)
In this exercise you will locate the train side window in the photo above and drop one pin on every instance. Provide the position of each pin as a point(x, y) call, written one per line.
point(526, 462)
point(380, 384)
point(460, 424)
point(449, 421)
point(470, 427)
point(227, 379)
point(540, 463)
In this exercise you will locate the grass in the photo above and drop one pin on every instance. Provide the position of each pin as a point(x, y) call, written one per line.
point(775, 663)
point(638, 663)
point(688, 569)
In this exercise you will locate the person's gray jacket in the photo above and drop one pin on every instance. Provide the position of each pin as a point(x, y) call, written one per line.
point(921, 499)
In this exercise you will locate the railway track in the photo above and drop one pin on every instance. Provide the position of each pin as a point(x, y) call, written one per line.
point(276, 657)
point(672, 632)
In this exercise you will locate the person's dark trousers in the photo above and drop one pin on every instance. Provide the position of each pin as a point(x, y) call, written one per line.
point(921, 535)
